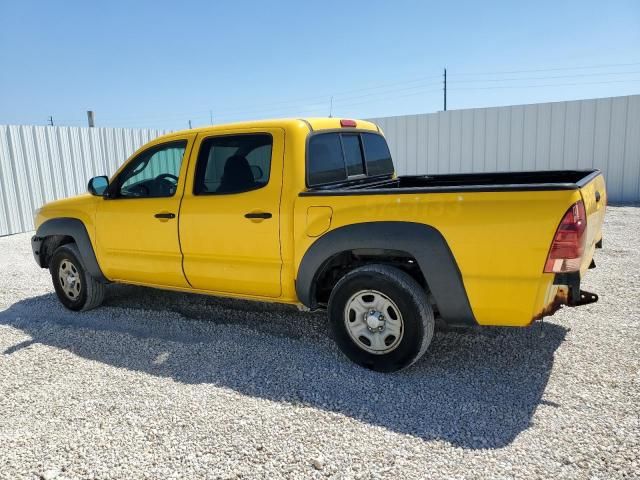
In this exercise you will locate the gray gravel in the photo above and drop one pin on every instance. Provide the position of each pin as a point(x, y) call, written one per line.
point(163, 385)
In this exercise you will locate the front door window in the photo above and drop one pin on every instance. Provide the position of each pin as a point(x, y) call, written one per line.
point(153, 174)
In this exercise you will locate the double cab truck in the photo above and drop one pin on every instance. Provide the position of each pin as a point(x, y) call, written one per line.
point(311, 212)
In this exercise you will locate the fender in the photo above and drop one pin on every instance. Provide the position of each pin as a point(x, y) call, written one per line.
point(424, 242)
point(74, 228)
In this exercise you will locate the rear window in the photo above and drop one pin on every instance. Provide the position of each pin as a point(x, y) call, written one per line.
point(353, 155)
point(326, 163)
point(336, 157)
point(377, 154)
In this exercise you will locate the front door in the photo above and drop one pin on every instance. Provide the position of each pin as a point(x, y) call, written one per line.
point(137, 223)
point(230, 214)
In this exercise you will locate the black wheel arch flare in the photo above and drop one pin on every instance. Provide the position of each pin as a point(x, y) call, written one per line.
point(74, 228)
point(424, 242)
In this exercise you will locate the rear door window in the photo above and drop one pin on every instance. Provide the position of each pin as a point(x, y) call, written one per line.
point(233, 164)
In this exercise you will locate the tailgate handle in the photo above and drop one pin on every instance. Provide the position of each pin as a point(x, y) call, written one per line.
point(597, 196)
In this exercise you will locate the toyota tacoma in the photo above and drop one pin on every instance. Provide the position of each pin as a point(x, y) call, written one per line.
point(311, 212)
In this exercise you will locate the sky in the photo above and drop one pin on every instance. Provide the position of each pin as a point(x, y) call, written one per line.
point(162, 64)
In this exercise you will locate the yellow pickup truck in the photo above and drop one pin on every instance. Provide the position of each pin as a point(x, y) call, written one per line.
point(311, 212)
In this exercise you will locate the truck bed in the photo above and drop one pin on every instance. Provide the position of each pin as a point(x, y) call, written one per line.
point(473, 182)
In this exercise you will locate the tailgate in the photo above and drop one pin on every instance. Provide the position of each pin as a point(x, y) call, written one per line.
point(565, 288)
point(594, 196)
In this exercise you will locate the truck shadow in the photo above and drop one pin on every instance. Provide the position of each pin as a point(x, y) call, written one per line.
point(477, 388)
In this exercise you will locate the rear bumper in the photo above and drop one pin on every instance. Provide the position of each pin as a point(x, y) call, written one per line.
point(566, 292)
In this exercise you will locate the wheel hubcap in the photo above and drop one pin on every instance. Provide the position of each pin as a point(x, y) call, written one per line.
point(69, 278)
point(374, 322)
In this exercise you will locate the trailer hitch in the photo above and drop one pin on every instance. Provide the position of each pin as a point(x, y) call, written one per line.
point(568, 294)
point(576, 296)
point(583, 298)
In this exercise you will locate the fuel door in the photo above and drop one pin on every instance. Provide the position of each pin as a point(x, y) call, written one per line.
point(318, 220)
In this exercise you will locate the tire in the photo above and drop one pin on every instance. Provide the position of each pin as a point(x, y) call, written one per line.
point(76, 288)
point(354, 310)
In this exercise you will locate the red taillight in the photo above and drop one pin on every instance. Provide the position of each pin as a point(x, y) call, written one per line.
point(568, 243)
point(347, 123)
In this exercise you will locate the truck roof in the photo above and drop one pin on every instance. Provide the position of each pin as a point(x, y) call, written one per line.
point(312, 123)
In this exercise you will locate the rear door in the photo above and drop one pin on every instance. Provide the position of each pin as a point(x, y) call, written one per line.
point(230, 213)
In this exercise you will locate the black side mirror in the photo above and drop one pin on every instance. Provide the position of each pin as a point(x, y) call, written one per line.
point(98, 186)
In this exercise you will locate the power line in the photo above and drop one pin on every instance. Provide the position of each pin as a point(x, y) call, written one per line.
point(392, 97)
point(342, 93)
point(320, 99)
point(547, 85)
point(550, 69)
point(386, 97)
point(578, 75)
point(291, 105)
point(416, 87)
point(295, 110)
point(282, 113)
point(381, 96)
point(384, 91)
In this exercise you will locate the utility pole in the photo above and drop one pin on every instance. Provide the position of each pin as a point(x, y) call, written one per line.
point(445, 89)
point(91, 118)
point(331, 107)
point(189, 124)
point(51, 120)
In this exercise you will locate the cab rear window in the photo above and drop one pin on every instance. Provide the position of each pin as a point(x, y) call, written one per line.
point(337, 157)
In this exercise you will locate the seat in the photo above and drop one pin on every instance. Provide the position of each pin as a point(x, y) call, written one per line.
point(237, 176)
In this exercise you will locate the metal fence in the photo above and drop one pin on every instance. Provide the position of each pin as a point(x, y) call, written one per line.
point(600, 133)
point(39, 164)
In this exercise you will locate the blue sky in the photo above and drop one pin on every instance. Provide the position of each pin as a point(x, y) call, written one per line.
point(161, 64)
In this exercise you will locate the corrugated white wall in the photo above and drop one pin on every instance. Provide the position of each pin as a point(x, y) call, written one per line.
point(39, 164)
point(601, 133)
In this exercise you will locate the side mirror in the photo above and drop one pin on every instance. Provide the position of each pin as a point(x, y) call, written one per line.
point(98, 186)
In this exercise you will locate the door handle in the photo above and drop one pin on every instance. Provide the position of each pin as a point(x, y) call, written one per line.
point(597, 196)
point(165, 215)
point(263, 215)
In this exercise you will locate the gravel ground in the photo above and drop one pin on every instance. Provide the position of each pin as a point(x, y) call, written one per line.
point(164, 385)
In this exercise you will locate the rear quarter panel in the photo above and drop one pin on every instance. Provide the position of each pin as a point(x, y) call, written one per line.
point(500, 240)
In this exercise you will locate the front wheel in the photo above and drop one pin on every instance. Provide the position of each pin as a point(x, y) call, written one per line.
point(74, 285)
point(381, 318)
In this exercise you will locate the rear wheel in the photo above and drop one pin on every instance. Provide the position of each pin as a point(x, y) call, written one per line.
point(380, 318)
point(75, 287)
